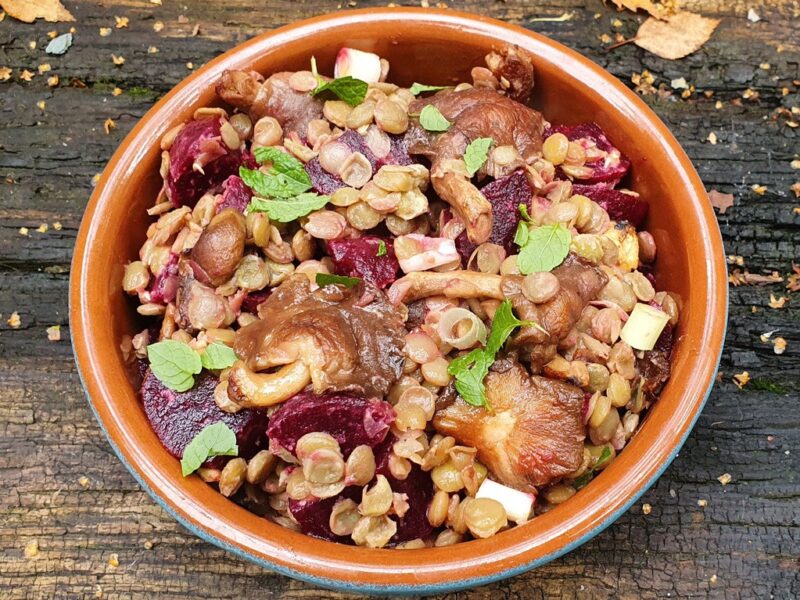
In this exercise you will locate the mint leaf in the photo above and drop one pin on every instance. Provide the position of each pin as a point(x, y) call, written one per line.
point(521, 235)
point(174, 364)
point(583, 480)
point(381, 249)
point(324, 279)
point(351, 90)
point(218, 356)
point(545, 249)
point(432, 120)
point(419, 88)
point(476, 153)
point(470, 370)
point(273, 184)
point(503, 325)
point(605, 456)
point(287, 210)
point(283, 163)
point(60, 44)
point(214, 440)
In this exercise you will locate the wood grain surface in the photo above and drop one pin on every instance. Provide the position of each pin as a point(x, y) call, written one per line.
point(73, 522)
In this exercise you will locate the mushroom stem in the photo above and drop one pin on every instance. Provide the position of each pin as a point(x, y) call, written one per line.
point(258, 390)
point(475, 210)
point(451, 284)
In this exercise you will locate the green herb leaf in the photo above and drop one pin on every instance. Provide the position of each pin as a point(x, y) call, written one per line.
point(287, 210)
point(503, 325)
point(381, 249)
point(582, 481)
point(174, 364)
point(273, 184)
point(214, 440)
point(324, 279)
point(545, 249)
point(521, 235)
point(283, 163)
point(218, 356)
point(523, 211)
point(476, 153)
point(470, 370)
point(433, 120)
point(60, 44)
point(605, 456)
point(419, 88)
point(351, 90)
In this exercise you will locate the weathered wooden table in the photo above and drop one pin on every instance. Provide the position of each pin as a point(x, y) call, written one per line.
point(74, 524)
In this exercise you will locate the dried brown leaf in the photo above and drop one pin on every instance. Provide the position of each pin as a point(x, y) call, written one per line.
point(677, 36)
point(658, 11)
point(30, 10)
point(720, 201)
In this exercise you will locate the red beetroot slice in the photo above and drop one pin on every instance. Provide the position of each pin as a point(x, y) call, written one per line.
point(618, 205)
point(177, 417)
point(165, 284)
point(353, 421)
point(235, 194)
point(611, 172)
point(199, 142)
point(359, 258)
point(313, 515)
point(326, 183)
point(505, 195)
point(418, 486)
point(253, 299)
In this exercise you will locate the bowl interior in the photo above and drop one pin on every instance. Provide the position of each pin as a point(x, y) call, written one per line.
point(432, 48)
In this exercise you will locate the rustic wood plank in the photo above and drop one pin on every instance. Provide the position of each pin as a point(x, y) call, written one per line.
point(748, 535)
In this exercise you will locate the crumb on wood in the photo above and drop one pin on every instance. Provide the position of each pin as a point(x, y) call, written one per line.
point(14, 321)
point(725, 478)
point(31, 549)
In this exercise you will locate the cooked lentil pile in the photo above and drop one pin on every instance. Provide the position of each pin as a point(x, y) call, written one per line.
point(393, 316)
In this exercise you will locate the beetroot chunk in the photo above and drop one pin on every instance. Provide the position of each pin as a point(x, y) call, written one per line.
point(619, 205)
point(609, 169)
point(351, 420)
point(418, 486)
point(324, 182)
point(165, 285)
point(235, 194)
point(253, 299)
point(313, 515)
point(177, 417)
point(359, 258)
point(199, 162)
point(505, 195)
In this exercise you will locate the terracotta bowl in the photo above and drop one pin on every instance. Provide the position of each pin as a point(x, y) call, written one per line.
point(430, 47)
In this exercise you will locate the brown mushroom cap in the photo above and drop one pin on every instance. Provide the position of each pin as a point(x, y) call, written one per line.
point(220, 247)
point(533, 433)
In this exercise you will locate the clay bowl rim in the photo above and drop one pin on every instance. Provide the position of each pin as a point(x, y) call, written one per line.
point(430, 570)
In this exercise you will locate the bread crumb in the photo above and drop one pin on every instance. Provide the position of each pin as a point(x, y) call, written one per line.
point(54, 333)
point(725, 478)
point(83, 481)
point(646, 509)
point(31, 549)
point(113, 560)
point(14, 321)
point(702, 503)
point(23, 231)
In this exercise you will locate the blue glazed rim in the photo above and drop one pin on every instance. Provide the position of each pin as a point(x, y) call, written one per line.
point(489, 27)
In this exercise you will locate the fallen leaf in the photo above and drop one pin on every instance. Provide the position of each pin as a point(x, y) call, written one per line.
point(30, 10)
point(59, 45)
point(121, 22)
point(656, 10)
point(720, 201)
point(795, 187)
point(677, 36)
point(793, 284)
point(777, 302)
point(5, 73)
point(759, 189)
point(14, 321)
point(26, 75)
point(118, 60)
